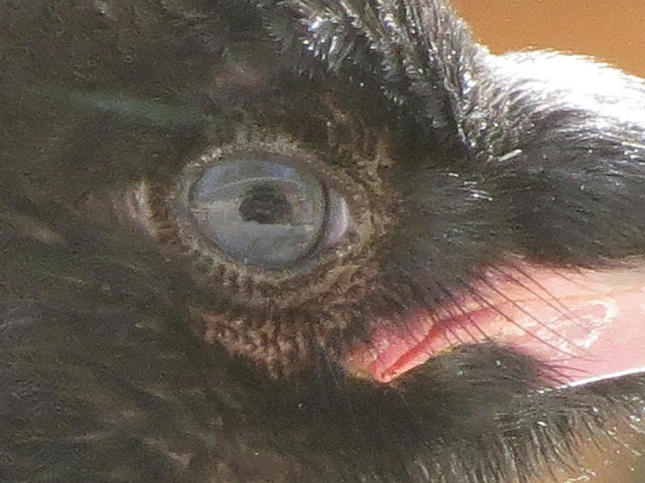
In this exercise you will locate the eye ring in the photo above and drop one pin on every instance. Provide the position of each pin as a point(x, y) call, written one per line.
point(339, 264)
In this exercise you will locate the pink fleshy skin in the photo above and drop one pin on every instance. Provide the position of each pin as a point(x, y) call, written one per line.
point(588, 325)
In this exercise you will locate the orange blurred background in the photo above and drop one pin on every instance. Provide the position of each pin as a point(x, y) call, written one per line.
point(612, 31)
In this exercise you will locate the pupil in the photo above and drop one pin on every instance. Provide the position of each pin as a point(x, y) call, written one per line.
point(266, 205)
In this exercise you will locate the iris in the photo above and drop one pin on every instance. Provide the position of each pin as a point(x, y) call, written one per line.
point(265, 211)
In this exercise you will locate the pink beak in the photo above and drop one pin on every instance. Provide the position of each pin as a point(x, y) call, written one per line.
point(585, 324)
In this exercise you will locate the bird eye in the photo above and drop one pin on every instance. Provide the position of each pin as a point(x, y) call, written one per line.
point(264, 221)
point(266, 211)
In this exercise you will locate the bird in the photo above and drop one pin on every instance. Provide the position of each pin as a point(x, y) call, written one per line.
point(310, 240)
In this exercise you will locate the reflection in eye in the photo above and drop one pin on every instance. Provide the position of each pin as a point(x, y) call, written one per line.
point(265, 212)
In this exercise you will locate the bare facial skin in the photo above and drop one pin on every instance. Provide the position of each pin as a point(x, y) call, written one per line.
point(311, 241)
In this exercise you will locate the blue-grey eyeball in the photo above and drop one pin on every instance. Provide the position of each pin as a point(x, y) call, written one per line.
point(263, 211)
